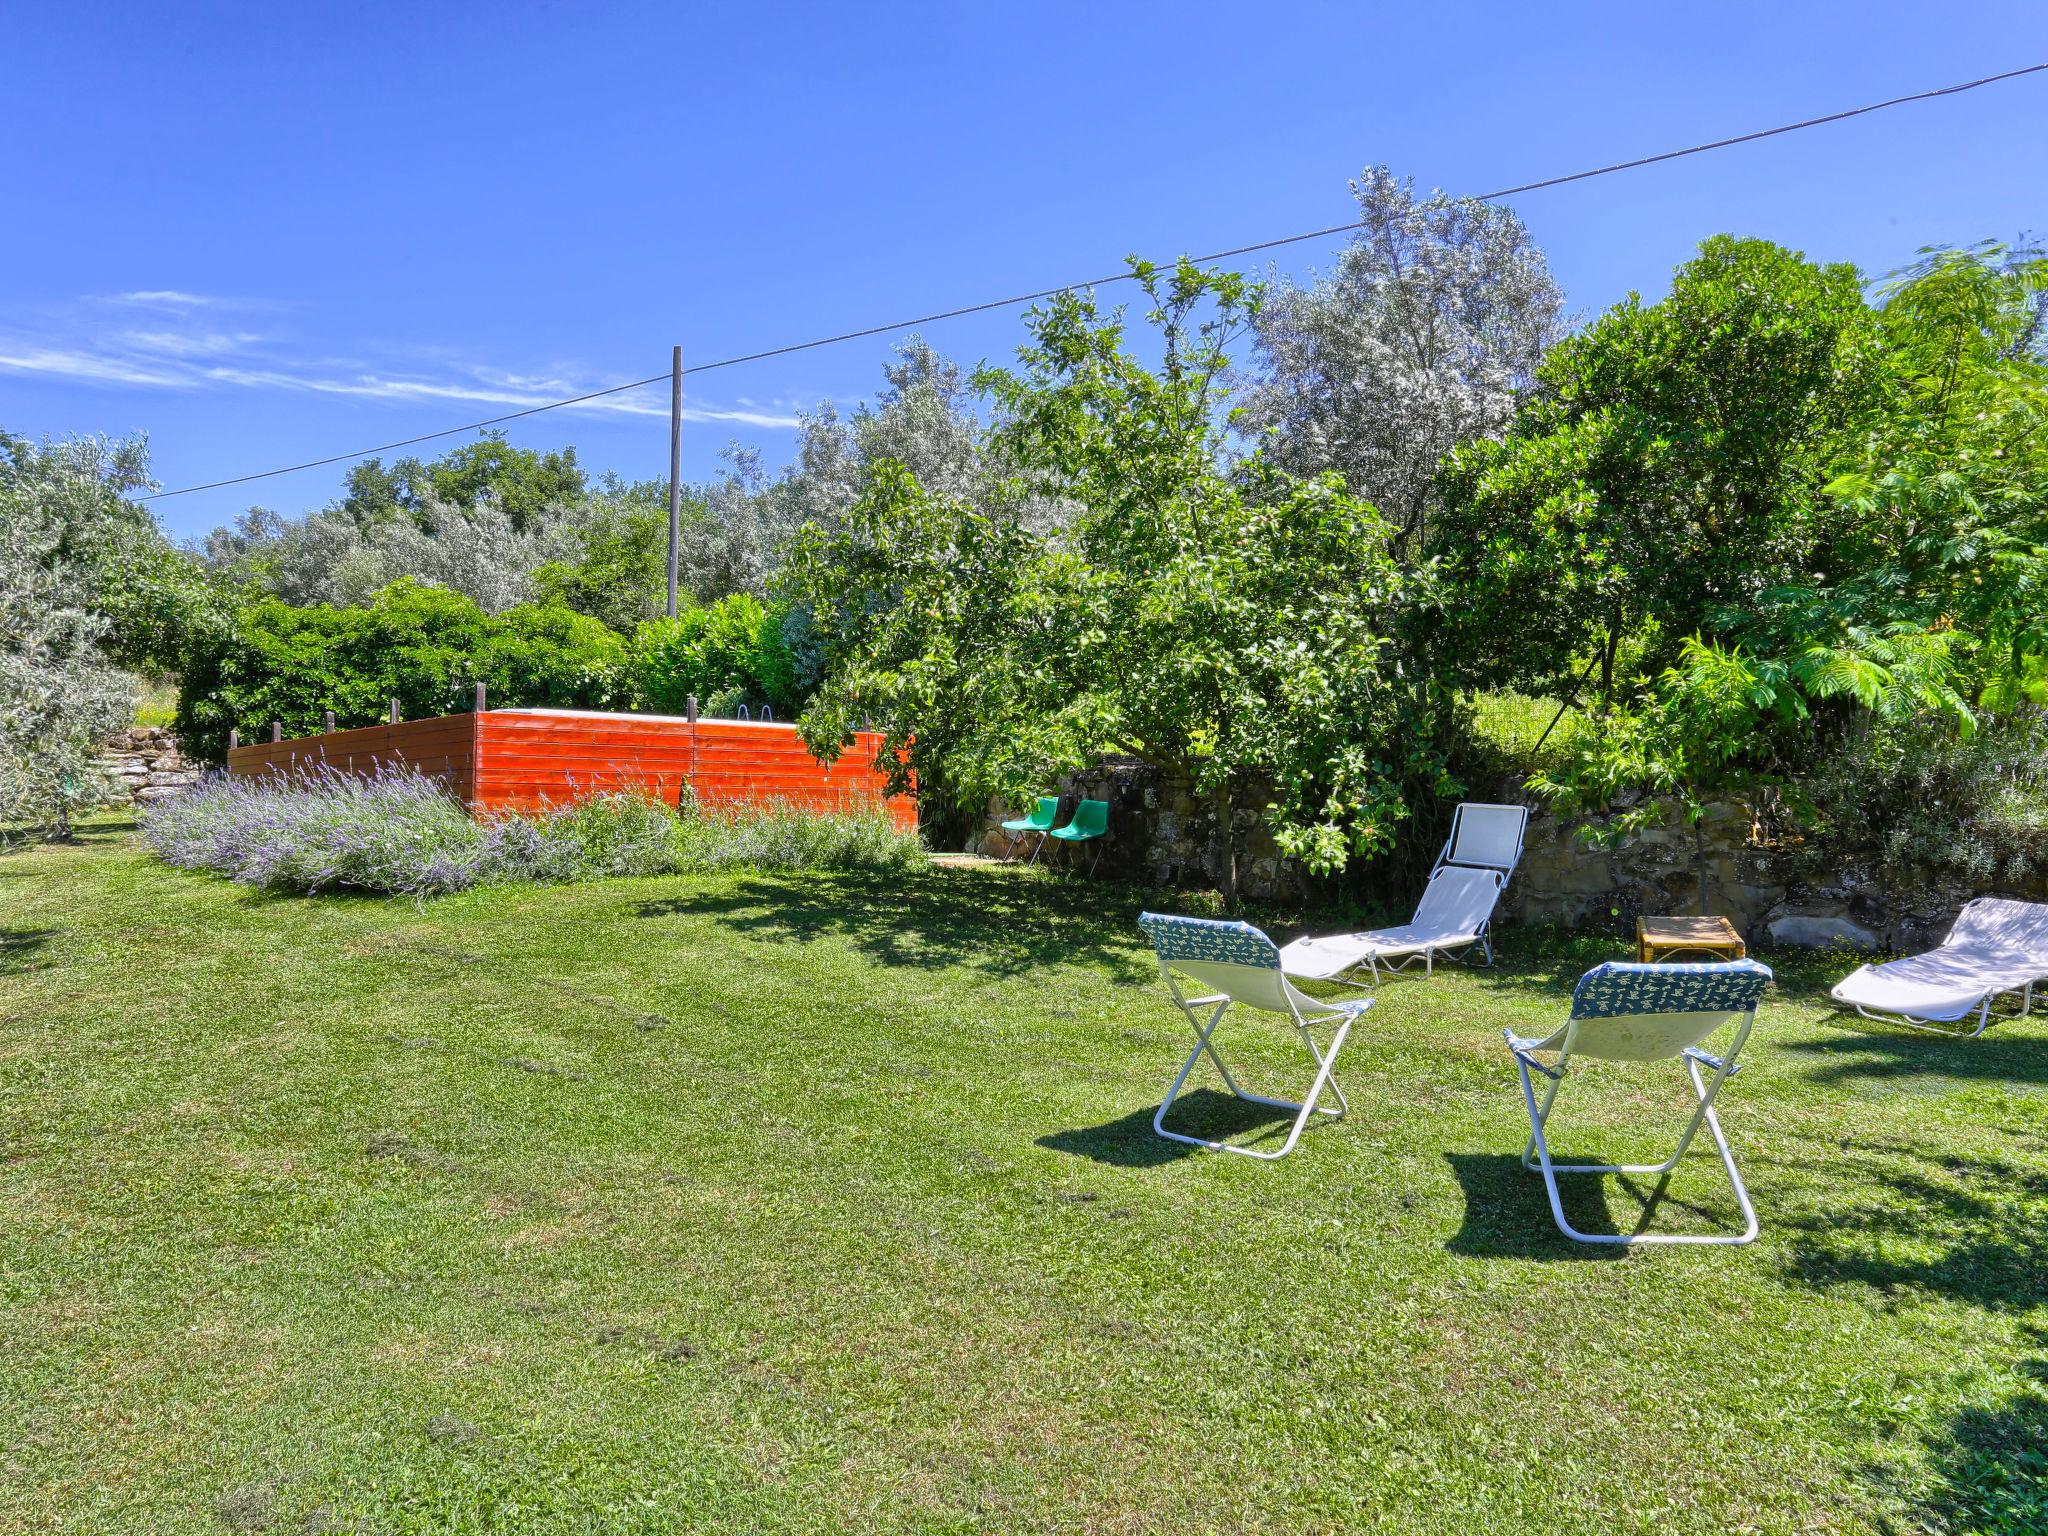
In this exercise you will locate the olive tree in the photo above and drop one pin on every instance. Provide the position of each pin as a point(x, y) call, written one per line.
point(1423, 338)
point(63, 521)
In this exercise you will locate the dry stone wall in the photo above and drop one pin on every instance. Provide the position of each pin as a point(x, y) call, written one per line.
point(1774, 893)
point(1162, 835)
point(146, 765)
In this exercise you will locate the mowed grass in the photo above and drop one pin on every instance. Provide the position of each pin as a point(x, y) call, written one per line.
point(831, 1203)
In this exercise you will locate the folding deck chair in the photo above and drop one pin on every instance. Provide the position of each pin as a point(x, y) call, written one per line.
point(1454, 917)
point(1623, 1011)
point(1996, 948)
point(1243, 965)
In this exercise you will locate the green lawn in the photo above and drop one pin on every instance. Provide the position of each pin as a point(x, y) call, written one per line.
point(827, 1203)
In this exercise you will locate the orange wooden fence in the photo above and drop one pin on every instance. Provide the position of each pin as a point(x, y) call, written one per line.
point(526, 759)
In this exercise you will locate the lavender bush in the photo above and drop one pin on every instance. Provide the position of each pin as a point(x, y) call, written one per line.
point(396, 831)
point(399, 831)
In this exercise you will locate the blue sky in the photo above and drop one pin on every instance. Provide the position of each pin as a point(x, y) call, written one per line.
point(273, 232)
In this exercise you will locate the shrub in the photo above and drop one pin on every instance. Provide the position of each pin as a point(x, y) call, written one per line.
point(736, 651)
point(548, 654)
point(776, 835)
point(611, 833)
point(399, 832)
point(423, 645)
point(1921, 798)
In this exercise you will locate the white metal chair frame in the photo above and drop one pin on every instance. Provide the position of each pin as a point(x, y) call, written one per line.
point(1987, 1013)
point(1731, 991)
point(1210, 946)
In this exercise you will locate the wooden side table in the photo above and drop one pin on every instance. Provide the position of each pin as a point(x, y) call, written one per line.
point(1700, 938)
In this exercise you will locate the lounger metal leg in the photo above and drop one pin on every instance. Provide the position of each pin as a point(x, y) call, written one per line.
point(1539, 1145)
point(1326, 1063)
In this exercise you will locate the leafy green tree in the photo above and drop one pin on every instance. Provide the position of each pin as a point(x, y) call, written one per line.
point(1227, 623)
point(1671, 464)
point(735, 651)
point(523, 483)
point(425, 646)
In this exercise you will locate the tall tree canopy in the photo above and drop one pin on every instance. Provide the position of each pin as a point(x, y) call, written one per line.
point(1671, 462)
point(1227, 623)
point(1434, 321)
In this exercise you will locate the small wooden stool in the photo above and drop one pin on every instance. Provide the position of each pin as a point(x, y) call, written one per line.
point(1672, 938)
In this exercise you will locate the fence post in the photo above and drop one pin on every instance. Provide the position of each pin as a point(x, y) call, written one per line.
point(327, 722)
point(234, 737)
point(392, 713)
point(479, 698)
point(690, 708)
point(277, 730)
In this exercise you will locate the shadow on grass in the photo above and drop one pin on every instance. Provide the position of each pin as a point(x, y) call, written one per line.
point(1868, 1051)
point(1130, 1142)
point(1993, 1461)
point(991, 923)
point(1973, 1230)
point(88, 832)
point(1507, 1214)
point(21, 949)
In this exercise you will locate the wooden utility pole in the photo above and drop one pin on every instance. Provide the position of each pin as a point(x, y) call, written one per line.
point(675, 475)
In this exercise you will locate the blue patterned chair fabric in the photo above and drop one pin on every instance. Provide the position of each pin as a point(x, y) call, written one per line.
point(1620, 988)
point(1202, 938)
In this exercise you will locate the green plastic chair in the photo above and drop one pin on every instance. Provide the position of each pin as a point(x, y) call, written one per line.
point(1090, 823)
point(1042, 816)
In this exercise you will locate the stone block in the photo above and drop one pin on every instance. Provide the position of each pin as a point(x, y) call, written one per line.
point(1816, 927)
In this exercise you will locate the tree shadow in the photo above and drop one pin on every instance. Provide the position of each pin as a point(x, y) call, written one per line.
point(1992, 1463)
point(21, 949)
point(991, 923)
point(1869, 1051)
point(1986, 1218)
point(1130, 1142)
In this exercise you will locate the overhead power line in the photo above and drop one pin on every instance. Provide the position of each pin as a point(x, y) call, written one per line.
point(898, 326)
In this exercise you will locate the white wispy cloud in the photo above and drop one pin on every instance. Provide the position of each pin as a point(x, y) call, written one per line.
point(163, 298)
point(218, 356)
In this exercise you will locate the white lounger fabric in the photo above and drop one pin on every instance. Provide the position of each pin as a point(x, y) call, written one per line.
point(1453, 912)
point(1996, 946)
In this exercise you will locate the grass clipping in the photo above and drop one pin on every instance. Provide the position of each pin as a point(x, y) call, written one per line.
point(400, 832)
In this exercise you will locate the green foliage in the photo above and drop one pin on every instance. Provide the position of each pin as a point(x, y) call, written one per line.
point(1228, 623)
point(523, 483)
point(775, 835)
point(1921, 799)
point(618, 571)
point(1670, 462)
point(1843, 505)
point(424, 646)
point(59, 694)
point(736, 651)
point(549, 654)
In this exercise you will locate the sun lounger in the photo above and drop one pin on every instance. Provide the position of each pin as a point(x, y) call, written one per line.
point(1454, 916)
point(1996, 949)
